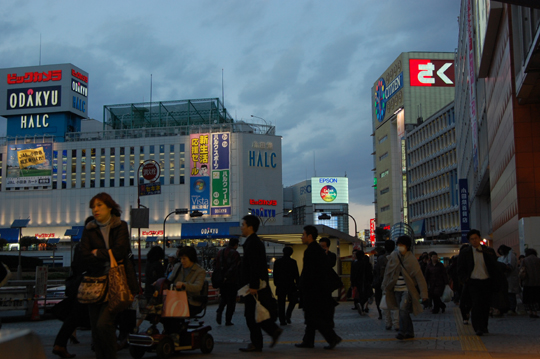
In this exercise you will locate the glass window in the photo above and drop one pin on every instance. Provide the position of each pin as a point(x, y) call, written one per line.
point(384, 174)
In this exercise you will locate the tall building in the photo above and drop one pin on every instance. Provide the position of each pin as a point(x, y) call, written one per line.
point(325, 197)
point(432, 182)
point(187, 154)
point(416, 86)
point(497, 122)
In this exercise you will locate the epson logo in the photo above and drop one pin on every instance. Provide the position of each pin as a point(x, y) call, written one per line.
point(327, 180)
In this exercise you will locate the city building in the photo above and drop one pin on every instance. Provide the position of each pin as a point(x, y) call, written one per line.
point(187, 154)
point(414, 87)
point(432, 182)
point(497, 123)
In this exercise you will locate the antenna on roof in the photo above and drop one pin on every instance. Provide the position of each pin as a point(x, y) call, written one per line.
point(40, 49)
point(314, 169)
point(222, 91)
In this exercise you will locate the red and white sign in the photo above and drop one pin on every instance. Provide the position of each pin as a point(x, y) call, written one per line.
point(372, 224)
point(435, 73)
point(263, 202)
point(152, 233)
point(44, 235)
point(79, 76)
point(30, 77)
point(151, 171)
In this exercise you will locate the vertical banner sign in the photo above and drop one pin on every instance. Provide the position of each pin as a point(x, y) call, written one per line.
point(472, 85)
point(464, 209)
point(372, 224)
point(29, 165)
point(220, 148)
point(199, 173)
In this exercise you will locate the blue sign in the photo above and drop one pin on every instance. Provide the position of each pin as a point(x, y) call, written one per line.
point(384, 93)
point(464, 209)
point(220, 151)
point(207, 230)
point(199, 198)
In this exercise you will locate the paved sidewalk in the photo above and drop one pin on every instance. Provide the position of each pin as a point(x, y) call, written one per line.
point(436, 336)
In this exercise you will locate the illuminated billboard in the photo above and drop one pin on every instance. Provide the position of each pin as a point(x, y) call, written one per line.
point(329, 190)
point(29, 165)
point(434, 73)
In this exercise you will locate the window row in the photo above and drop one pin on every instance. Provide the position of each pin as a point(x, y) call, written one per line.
point(445, 160)
point(442, 223)
point(441, 142)
point(425, 207)
point(435, 184)
point(429, 130)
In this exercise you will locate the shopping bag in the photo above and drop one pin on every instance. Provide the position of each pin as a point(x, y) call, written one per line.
point(447, 294)
point(120, 297)
point(261, 313)
point(175, 304)
point(383, 304)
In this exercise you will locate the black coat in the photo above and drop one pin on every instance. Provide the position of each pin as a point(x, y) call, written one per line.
point(313, 278)
point(119, 244)
point(465, 267)
point(286, 275)
point(362, 277)
point(436, 278)
point(254, 267)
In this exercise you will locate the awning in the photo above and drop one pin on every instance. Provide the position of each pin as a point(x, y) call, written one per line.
point(78, 237)
point(53, 240)
point(10, 234)
point(151, 239)
point(419, 228)
point(207, 230)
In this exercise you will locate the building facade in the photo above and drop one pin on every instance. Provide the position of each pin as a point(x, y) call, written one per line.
point(415, 86)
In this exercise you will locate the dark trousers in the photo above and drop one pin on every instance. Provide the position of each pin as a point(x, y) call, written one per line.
point(255, 333)
point(321, 318)
point(228, 299)
point(77, 317)
point(378, 297)
point(282, 296)
point(103, 331)
point(438, 304)
point(480, 291)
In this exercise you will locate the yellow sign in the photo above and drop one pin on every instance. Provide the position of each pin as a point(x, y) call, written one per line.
point(31, 157)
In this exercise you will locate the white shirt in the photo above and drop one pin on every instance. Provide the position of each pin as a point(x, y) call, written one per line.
point(480, 270)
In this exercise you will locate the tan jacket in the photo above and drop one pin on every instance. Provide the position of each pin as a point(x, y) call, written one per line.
point(413, 277)
point(194, 282)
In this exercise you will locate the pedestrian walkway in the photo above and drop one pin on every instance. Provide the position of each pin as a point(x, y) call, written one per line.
point(436, 336)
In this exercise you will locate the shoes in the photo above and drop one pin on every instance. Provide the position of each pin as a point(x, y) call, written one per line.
point(218, 318)
point(62, 352)
point(304, 345)
point(479, 333)
point(388, 327)
point(282, 323)
point(465, 322)
point(333, 344)
point(402, 337)
point(73, 340)
point(250, 348)
point(228, 324)
point(275, 336)
point(360, 310)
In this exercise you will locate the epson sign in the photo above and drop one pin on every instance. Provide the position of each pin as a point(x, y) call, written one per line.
point(328, 180)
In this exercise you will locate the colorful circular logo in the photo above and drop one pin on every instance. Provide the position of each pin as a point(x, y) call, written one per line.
point(199, 185)
point(328, 193)
point(380, 99)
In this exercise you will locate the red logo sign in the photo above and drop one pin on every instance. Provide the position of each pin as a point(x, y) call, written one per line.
point(150, 171)
point(152, 233)
point(372, 223)
point(44, 235)
point(29, 77)
point(78, 75)
point(263, 202)
point(439, 73)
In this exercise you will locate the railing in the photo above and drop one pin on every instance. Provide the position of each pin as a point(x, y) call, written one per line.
point(20, 295)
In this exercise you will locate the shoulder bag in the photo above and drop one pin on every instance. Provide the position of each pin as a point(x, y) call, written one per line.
point(92, 289)
point(120, 296)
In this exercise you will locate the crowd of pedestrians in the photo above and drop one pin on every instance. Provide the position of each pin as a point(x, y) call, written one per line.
point(481, 281)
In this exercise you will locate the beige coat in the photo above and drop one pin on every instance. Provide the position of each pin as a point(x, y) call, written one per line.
point(413, 277)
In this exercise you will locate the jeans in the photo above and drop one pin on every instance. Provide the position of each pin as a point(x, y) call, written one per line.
point(391, 317)
point(405, 322)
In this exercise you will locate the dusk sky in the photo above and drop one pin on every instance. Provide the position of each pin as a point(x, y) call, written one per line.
point(307, 67)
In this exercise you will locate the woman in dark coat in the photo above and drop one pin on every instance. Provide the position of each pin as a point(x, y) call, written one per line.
point(154, 270)
point(104, 231)
point(361, 279)
point(436, 279)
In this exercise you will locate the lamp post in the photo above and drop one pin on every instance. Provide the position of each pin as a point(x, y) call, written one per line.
point(285, 213)
point(266, 123)
point(20, 223)
point(339, 214)
point(177, 212)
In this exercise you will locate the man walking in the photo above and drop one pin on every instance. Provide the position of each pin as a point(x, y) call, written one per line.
point(255, 270)
point(481, 276)
point(331, 257)
point(228, 260)
point(286, 279)
point(316, 295)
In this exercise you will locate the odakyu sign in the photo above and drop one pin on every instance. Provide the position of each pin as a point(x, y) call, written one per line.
point(326, 190)
point(56, 88)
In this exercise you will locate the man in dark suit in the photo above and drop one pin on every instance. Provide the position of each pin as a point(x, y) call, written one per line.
point(481, 276)
point(254, 269)
point(229, 260)
point(286, 278)
point(331, 257)
point(316, 295)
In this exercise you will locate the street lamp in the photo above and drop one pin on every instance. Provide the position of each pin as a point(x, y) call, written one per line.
point(286, 213)
point(339, 214)
point(20, 223)
point(177, 212)
point(266, 123)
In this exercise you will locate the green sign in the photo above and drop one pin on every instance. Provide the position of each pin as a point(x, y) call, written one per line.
point(220, 188)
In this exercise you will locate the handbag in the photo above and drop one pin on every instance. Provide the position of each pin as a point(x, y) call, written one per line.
point(120, 297)
point(261, 313)
point(175, 304)
point(447, 294)
point(383, 305)
point(92, 289)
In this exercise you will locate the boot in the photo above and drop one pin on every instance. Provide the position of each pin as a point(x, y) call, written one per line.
point(62, 352)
